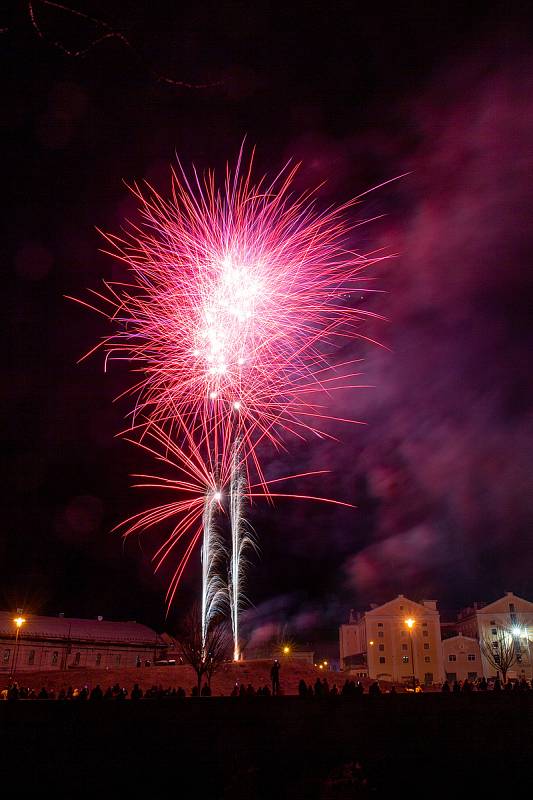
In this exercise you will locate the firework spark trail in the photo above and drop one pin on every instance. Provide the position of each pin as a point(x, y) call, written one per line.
point(214, 591)
point(236, 305)
point(241, 541)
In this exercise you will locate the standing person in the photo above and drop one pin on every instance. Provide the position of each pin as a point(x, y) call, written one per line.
point(274, 674)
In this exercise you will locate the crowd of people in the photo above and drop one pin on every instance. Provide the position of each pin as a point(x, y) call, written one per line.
point(320, 688)
point(482, 685)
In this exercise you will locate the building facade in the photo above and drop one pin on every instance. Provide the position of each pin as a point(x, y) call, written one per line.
point(462, 658)
point(50, 643)
point(397, 641)
point(509, 614)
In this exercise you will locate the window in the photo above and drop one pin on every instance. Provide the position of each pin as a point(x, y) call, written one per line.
point(77, 658)
point(381, 634)
point(401, 608)
point(493, 622)
point(380, 624)
point(117, 660)
point(494, 631)
point(452, 657)
point(511, 607)
point(424, 624)
point(381, 647)
point(5, 657)
point(55, 657)
point(427, 659)
point(451, 676)
point(98, 659)
point(425, 633)
point(31, 657)
point(404, 647)
point(426, 645)
point(403, 633)
point(382, 659)
point(428, 678)
point(405, 659)
point(471, 656)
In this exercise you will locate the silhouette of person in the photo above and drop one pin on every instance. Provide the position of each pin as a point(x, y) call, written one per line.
point(274, 674)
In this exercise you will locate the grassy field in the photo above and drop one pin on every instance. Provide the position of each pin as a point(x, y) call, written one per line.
point(255, 672)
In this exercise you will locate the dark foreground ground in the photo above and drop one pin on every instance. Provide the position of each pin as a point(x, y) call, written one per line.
point(260, 747)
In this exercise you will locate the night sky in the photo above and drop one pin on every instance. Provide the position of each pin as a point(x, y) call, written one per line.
point(441, 472)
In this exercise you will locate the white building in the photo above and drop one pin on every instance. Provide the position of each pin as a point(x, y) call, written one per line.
point(462, 658)
point(510, 613)
point(54, 643)
point(397, 641)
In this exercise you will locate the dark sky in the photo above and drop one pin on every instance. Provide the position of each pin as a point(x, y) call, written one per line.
point(441, 473)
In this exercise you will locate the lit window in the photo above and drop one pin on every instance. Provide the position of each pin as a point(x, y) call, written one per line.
point(471, 657)
point(31, 657)
point(405, 659)
point(426, 645)
point(404, 647)
point(382, 659)
point(427, 659)
point(452, 657)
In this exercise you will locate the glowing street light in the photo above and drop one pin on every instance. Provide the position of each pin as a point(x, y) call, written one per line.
point(286, 650)
point(410, 625)
point(19, 622)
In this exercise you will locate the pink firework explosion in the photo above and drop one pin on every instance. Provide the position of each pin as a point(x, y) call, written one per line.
point(235, 309)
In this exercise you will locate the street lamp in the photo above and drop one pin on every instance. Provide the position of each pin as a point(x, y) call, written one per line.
point(410, 625)
point(286, 650)
point(19, 622)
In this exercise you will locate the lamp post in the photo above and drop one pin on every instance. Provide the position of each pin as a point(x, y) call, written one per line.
point(19, 622)
point(410, 625)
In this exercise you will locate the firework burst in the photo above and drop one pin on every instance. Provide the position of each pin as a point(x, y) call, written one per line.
point(236, 304)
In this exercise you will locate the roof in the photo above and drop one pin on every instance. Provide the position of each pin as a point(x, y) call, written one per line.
point(392, 607)
point(497, 606)
point(79, 629)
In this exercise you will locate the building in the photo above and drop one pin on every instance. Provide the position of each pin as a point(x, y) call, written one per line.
point(462, 658)
point(510, 614)
point(49, 643)
point(397, 641)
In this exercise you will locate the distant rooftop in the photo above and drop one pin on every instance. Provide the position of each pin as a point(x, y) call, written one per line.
point(61, 627)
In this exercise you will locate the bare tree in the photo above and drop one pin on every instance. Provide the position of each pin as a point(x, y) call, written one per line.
point(216, 648)
point(204, 657)
point(500, 650)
